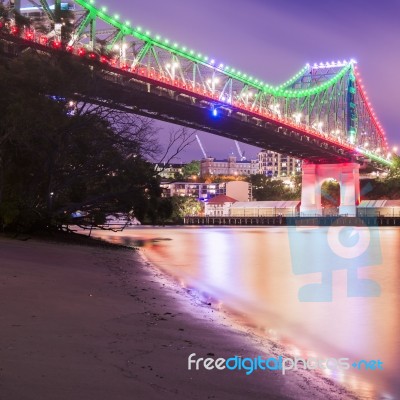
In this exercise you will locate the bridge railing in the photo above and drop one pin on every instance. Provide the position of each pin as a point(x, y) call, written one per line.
point(235, 101)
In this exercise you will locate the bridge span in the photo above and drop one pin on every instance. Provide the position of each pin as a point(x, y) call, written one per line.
point(321, 115)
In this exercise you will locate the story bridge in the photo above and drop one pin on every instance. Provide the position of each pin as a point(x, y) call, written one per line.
point(321, 115)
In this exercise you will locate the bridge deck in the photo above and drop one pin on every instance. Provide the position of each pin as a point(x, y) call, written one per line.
point(142, 95)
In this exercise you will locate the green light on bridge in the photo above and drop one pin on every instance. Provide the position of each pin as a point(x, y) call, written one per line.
point(280, 91)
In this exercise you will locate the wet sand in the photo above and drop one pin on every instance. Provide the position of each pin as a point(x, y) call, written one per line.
point(92, 323)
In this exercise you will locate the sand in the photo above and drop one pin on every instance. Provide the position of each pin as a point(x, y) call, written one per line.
point(91, 323)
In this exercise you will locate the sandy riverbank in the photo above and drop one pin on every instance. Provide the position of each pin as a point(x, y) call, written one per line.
point(90, 323)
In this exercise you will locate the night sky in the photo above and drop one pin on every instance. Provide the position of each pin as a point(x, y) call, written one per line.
point(273, 39)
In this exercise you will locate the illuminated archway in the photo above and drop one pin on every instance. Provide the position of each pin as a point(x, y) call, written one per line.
point(348, 176)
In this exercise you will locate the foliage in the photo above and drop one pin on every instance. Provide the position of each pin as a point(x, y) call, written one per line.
point(57, 156)
point(330, 194)
point(394, 172)
point(266, 188)
point(224, 178)
point(190, 172)
point(191, 169)
point(183, 206)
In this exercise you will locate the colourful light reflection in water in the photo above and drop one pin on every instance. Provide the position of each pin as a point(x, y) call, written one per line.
point(251, 270)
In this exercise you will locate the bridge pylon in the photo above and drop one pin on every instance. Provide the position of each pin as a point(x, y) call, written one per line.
point(314, 175)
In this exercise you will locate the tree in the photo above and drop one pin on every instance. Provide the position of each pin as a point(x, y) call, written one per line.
point(330, 194)
point(58, 155)
point(183, 206)
point(191, 169)
point(383, 187)
point(266, 188)
point(394, 172)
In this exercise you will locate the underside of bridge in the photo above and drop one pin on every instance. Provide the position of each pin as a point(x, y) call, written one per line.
point(163, 104)
point(321, 115)
point(121, 90)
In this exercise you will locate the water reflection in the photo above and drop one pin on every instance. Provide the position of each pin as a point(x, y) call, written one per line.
point(260, 272)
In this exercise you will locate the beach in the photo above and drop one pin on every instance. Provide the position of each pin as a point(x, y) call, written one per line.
point(87, 322)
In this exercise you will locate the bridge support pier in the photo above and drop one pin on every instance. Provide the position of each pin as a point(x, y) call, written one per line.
point(314, 175)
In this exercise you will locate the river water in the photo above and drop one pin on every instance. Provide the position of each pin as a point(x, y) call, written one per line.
point(323, 292)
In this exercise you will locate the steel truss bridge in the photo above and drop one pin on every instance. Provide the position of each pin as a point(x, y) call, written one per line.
point(321, 115)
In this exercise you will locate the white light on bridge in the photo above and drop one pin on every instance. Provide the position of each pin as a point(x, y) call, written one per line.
point(213, 80)
point(173, 66)
point(275, 108)
point(297, 117)
point(318, 126)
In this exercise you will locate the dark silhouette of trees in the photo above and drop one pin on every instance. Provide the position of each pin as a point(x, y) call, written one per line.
point(59, 155)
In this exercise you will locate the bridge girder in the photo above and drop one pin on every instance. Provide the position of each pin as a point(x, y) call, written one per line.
point(324, 101)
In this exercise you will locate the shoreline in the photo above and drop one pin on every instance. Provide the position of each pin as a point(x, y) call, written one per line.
point(100, 323)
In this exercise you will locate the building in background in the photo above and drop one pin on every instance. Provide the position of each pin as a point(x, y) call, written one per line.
point(379, 208)
point(219, 206)
point(265, 209)
point(239, 190)
point(225, 206)
point(169, 171)
point(277, 165)
point(268, 163)
point(230, 166)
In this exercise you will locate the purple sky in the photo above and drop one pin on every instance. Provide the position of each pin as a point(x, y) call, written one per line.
point(273, 39)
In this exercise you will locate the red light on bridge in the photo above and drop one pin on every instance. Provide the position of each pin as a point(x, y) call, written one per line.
point(81, 52)
point(92, 56)
point(44, 40)
point(57, 44)
point(14, 30)
point(70, 49)
point(104, 59)
point(29, 35)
